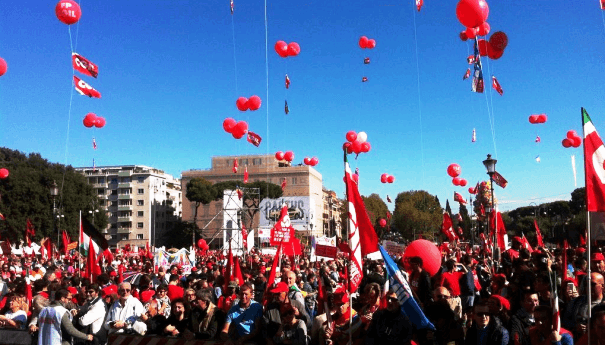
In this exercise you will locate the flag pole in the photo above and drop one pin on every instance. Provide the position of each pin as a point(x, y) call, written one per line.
point(350, 252)
point(80, 244)
point(587, 221)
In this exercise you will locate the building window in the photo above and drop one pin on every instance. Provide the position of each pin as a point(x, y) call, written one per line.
point(257, 161)
point(294, 180)
point(140, 202)
point(141, 191)
point(139, 236)
point(114, 180)
point(139, 213)
point(124, 237)
point(114, 192)
point(243, 161)
point(100, 191)
point(125, 179)
point(101, 179)
point(141, 179)
point(140, 225)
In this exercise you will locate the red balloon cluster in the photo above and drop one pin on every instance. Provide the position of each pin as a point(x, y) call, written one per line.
point(287, 156)
point(68, 11)
point(3, 173)
point(572, 140)
point(535, 119)
point(284, 49)
point(237, 128)
point(457, 181)
point(91, 119)
point(201, 243)
point(367, 43)
point(454, 170)
point(311, 161)
point(357, 142)
point(473, 15)
point(382, 222)
point(386, 178)
point(252, 103)
point(3, 67)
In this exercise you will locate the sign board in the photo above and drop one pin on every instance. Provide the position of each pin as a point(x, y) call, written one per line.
point(301, 210)
point(325, 251)
point(232, 231)
point(323, 245)
point(393, 247)
point(281, 236)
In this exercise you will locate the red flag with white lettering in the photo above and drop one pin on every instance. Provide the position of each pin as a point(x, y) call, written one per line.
point(84, 66)
point(84, 89)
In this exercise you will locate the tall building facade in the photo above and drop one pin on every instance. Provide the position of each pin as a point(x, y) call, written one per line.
point(301, 181)
point(331, 214)
point(142, 203)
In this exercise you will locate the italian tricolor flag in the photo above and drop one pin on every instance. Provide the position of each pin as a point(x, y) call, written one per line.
point(594, 158)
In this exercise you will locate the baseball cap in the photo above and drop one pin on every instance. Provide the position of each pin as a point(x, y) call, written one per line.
point(598, 257)
point(281, 287)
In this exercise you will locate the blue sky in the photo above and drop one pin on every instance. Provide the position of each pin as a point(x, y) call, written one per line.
point(168, 79)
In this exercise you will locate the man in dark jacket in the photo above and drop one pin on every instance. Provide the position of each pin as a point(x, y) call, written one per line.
point(524, 318)
point(485, 329)
point(390, 326)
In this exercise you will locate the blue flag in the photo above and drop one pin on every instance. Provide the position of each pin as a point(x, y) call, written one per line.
point(399, 284)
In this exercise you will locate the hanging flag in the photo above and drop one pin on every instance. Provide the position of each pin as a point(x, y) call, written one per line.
point(30, 232)
point(84, 89)
point(474, 136)
point(458, 197)
point(594, 155)
point(232, 7)
point(500, 239)
point(282, 231)
point(244, 236)
point(538, 158)
point(84, 66)
point(94, 144)
point(237, 274)
point(246, 174)
point(419, 4)
point(286, 109)
point(446, 227)
point(496, 86)
point(66, 242)
point(364, 79)
point(525, 243)
point(398, 282)
point(366, 61)
point(235, 166)
point(287, 82)
point(499, 180)
point(388, 199)
point(538, 234)
point(362, 237)
point(276, 262)
point(538, 140)
point(89, 231)
point(240, 194)
point(470, 59)
point(92, 269)
point(283, 184)
point(254, 138)
point(467, 74)
point(477, 85)
point(573, 168)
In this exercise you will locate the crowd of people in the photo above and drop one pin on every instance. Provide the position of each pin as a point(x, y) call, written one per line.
point(471, 300)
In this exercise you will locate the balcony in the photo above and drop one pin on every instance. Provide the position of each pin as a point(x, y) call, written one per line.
point(99, 185)
point(124, 185)
point(125, 208)
point(124, 197)
point(124, 219)
point(124, 173)
point(124, 230)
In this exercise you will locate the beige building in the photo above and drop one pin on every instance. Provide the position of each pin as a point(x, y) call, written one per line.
point(141, 202)
point(301, 180)
point(331, 213)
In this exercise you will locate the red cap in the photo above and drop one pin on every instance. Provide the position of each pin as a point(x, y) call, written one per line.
point(598, 257)
point(503, 301)
point(281, 287)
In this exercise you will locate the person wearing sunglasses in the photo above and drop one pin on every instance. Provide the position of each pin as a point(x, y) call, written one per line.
point(485, 329)
point(92, 313)
point(390, 325)
point(127, 314)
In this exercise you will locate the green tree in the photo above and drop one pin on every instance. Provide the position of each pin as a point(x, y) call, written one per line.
point(200, 192)
point(376, 209)
point(25, 194)
point(578, 200)
point(466, 221)
point(417, 212)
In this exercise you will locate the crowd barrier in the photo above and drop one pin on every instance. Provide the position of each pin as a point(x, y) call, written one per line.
point(15, 336)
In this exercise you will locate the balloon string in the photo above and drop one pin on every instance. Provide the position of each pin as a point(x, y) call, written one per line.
point(603, 18)
point(234, 56)
point(267, 93)
point(77, 31)
point(71, 97)
point(419, 96)
point(490, 114)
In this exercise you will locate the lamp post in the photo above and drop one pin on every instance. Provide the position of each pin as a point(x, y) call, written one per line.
point(490, 165)
point(194, 207)
point(54, 192)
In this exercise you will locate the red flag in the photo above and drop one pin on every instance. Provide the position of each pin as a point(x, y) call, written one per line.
point(603, 4)
point(238, 274)
point(254, 138)
point(246, 174)
point(276, 260)
point(92, 266)
point(66, 242)
point(419, 4)
point(283, 184)
point(526, 244)
point(94, 144)
point(29, 232)
point(467, 74)
point(84, 66)
point(582, 240)
point(84, 89)
point(234, 166)
point(499, 180)
point(287, 82)
point(388, 199)
point(539, 234)
point(497, 86)
point(244, 236)
point(282, 231)
point(594, 157)
point(362, 237)
point(446, 227)
point(459, 198)
point(501, 229)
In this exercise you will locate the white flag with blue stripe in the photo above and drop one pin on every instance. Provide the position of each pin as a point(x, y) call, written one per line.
point(400, 285)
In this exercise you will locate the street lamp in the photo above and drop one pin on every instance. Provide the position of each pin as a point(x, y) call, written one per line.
point(54, 192)
point(194, 207)
point(490, 165)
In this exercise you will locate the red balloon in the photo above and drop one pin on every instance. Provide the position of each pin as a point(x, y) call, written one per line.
point(240, 129)
point(453, 170)
point(293, 49)
point(576, 141)
point(371, 43)
point(463, 182)
point(3, 173)
point(254, 103)
point(89, 120)
point(3, 67)
point(242, 103)
point(201, 243)
point(289, 156)
point(498, 40)
point(483, 29)
point(430, 254)
point(471, 33)
point(571, 134)
point(356, 146)
point(456, 181)
point(314, 161)
point(483, 47)
point(391, 179)
point(279, 155)
point(542, 118)
point(382, 222)
point(566, 143)
point(363, 42)
point(463, 36)
point(533, 119)
point(281, 48)
point(346, 146)
point(384, 177)
point(307, 161)
point(472, 190)
point(68, 11)
point(100, 122)
point(351, 136)
point(366, 147)
point(472, 13)
point(493, 53)
point(228, 124)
